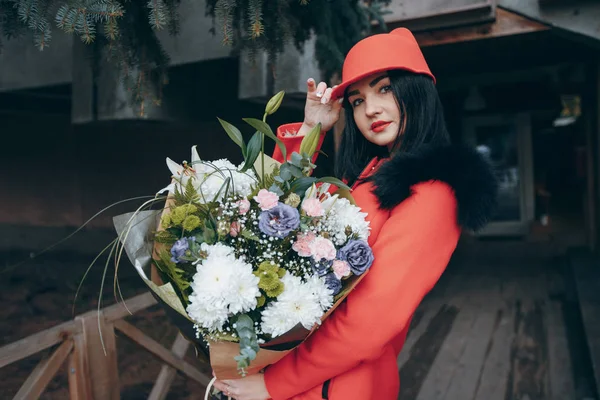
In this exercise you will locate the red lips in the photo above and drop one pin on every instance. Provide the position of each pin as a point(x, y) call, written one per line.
point(379, 126)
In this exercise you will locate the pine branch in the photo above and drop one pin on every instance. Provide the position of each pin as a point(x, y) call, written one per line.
point(224, 11)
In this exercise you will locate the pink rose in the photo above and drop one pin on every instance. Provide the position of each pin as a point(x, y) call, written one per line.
point(322, 248)
point(243, 206)
point(235, 229)
point(266, 200)
point(341, 268)
point(313, 207)
point(302, 244)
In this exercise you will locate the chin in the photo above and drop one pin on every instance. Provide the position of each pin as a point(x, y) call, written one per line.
point(383, 139)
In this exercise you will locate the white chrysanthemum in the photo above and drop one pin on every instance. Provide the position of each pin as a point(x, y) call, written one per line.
point(218, 250)
point(323, 294)
point(208, 315)
point(244, 291)
point(341, 214)
point(223, 285)
point(213, 176)
point(298, 304)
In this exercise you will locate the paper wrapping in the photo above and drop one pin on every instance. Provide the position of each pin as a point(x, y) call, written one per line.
point(135, 231)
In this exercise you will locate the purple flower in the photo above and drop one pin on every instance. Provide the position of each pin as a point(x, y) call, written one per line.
point(179, 248)
point(322, 267)
point(358, 255)
point(279, 221)
point(333, 283)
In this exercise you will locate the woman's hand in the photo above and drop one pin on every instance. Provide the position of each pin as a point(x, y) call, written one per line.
point(319, 108)
point(249, 388)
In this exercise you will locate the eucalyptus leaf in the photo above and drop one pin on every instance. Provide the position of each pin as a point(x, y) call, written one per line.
point(263, 127)
point(276, 189)
point(285, 173)
point(296, 159)
point(235, 135)
point(296, 171)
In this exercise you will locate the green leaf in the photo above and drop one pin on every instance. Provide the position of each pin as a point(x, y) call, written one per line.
point(252, 151)
point(276, 189)
point(296, 171)
point(249, 235)
point(296, 159)
point(263, 127)
point(285, 173)
point(210, 236)
point(235, 135)
point(334, 181)
point(301, 184)
point(311, 141)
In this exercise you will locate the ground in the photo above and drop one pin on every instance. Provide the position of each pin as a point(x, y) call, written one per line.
point(501, 324)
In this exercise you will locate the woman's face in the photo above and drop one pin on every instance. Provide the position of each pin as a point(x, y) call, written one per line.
point(376, 111)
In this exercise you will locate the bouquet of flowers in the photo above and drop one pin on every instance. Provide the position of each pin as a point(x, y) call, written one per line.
point(249, 259)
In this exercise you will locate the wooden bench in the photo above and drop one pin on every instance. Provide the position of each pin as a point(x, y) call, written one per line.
point(586, 273)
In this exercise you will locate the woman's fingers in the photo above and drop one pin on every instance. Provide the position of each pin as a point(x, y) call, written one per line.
point(326, 96)
point(311, 86)
point(321, 87)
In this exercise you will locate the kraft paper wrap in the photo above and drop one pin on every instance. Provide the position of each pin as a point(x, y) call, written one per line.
point(137, 230)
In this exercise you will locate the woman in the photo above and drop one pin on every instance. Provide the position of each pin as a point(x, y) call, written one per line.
point(419, 192)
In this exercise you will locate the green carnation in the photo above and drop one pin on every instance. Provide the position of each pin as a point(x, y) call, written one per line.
point(165, 220)
point(179, 214)
point(267, 280)
point(276, 291)
point(191, 222)
point(266, 266)
point(260, 301)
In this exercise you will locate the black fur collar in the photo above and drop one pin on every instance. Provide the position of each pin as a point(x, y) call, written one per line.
point(463, 168)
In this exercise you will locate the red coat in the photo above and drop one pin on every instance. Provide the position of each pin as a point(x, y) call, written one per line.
point(413, 237)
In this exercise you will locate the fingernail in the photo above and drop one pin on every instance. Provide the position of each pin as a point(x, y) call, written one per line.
point(319, 94)
point(341, 100)
point(324, 100)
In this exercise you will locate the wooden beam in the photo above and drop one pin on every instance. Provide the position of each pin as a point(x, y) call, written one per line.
point(35, 343)
point(167, 373)
point(131, 306)
point(160, 352)
point(79, 384)
point(101, 357)
point(42, 340)
point(506, 24)
point(43, 373)
point(436, 18)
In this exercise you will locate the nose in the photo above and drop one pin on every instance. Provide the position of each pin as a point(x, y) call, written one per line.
point(373, 107)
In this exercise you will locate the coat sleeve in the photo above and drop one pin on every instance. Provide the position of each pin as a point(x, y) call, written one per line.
point(411, 252)
point(286, 133)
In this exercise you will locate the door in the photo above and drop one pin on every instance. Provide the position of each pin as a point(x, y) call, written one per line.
point(506, 141)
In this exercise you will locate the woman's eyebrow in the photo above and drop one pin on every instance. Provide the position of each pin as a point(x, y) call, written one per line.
point(373, 83)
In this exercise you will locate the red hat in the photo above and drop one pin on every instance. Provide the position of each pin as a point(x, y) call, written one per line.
point(395, 50)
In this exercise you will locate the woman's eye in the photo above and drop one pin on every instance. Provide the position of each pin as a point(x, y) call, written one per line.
point(356, 102)
point(386, 88)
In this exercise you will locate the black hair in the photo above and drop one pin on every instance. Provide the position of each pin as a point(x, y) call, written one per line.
point(422, 120)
